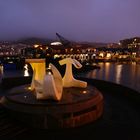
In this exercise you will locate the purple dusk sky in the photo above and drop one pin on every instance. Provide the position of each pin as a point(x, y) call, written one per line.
point(78, 20)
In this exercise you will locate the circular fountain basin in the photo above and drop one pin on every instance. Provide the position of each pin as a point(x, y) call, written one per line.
point(77, 107)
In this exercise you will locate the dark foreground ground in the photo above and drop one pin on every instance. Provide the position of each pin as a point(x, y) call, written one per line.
point(120, 120)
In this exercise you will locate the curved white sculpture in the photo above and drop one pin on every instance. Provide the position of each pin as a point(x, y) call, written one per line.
point(46, 85)
point(51, 86)
point(68, 79)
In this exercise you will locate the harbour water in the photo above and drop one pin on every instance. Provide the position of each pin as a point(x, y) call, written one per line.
point(127, 74)
point(121, 116)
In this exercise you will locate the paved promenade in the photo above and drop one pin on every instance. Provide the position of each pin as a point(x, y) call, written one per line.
point(120, 120)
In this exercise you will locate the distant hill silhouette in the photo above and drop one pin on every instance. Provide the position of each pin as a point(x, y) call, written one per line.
point(93, 44)
point(43, 41)
point(34, 40)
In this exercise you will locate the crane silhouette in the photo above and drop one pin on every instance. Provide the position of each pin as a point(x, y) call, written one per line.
point(65, 42)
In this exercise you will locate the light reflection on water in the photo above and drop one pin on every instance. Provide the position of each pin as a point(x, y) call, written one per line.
point(26, 71)
point(118, 74)
point(127, 74)
point(15, 73)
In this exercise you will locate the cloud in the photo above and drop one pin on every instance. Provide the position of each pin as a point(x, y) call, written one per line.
point(82, 20)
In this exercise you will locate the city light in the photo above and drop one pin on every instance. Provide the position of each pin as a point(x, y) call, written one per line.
point(108, 55)
point(36, 46)
point(56, 43)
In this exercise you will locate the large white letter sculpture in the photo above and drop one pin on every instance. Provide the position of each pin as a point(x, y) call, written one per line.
point(50, 86)
point(46, 85)
point(39, 70)
point(68, 79)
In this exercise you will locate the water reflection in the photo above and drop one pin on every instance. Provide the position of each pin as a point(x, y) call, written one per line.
point(118, 73)
point(127, 74)
point(107, 70)
point(26, 71)
point(1, 69)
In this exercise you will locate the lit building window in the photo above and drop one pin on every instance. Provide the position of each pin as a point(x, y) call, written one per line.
point(56, 43)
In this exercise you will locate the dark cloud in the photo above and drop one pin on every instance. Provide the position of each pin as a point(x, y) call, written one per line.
point(79, 20)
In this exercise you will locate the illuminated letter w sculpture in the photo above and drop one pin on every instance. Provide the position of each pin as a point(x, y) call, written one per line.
point(49, 85)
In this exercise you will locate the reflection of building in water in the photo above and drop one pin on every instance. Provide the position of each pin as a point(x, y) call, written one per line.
point(1, 69)
point(26, 71)
point(118, 73)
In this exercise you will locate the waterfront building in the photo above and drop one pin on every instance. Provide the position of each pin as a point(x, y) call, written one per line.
point(133, 45)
